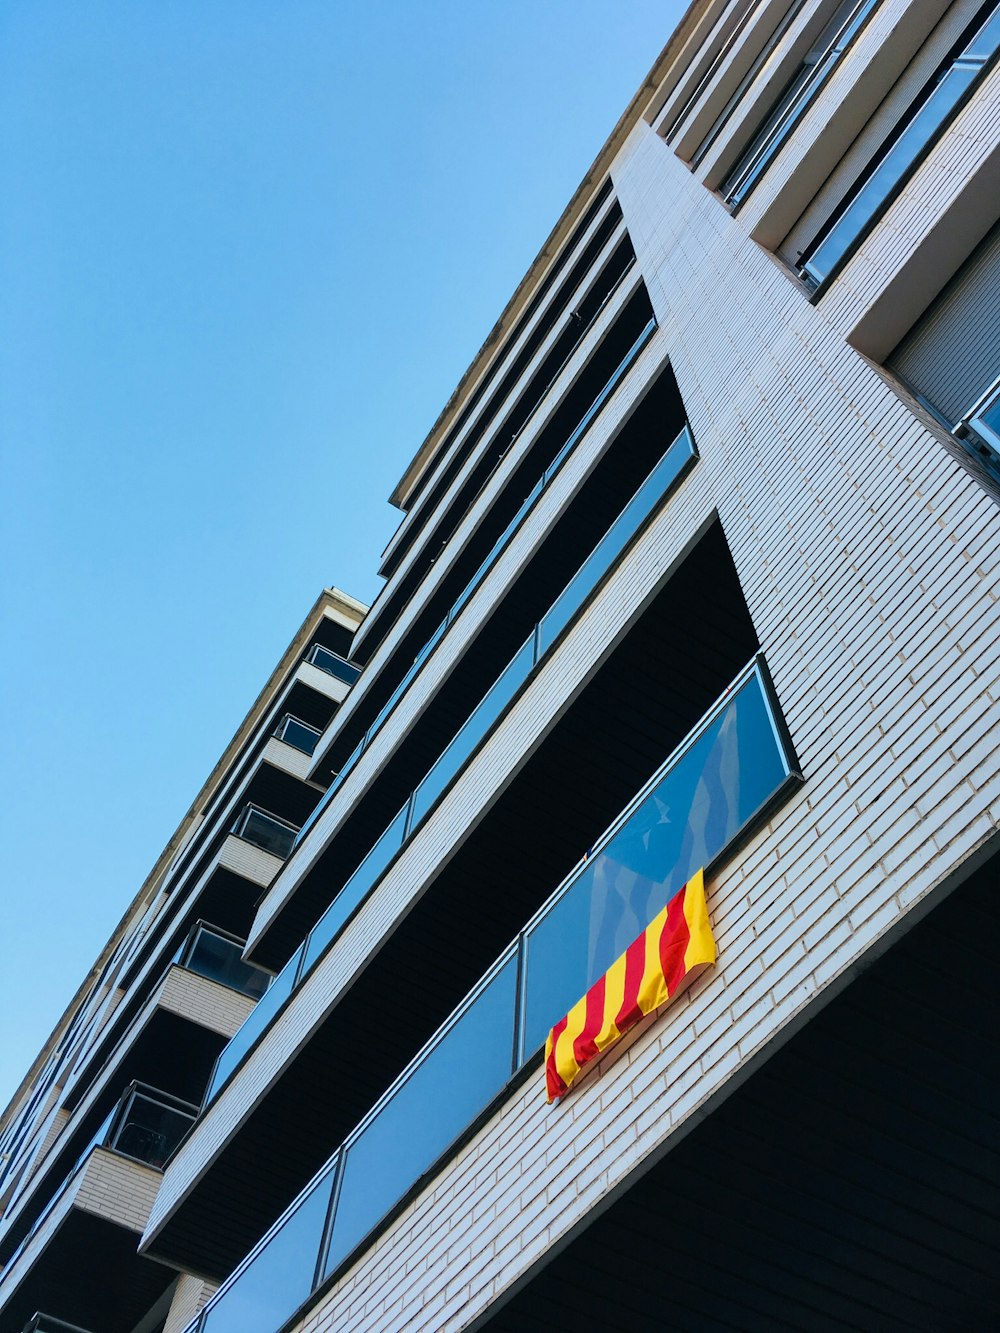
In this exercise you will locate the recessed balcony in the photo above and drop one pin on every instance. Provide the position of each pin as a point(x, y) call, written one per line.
point(529, 827)
point(719, 784)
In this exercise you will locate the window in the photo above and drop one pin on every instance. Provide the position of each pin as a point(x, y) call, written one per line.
point(846, 22)
point(763, 56)
point(906, 149)
point(984, 419)
point(950, 358)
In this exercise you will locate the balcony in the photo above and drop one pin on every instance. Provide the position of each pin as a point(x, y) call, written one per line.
point(146, 1125)
point(663, 653)
point(214, 954)
point(265, 831)
point(101, 1208)
point(173, 1040)
point(526, 507)
point(718, 784)
point(608, 551)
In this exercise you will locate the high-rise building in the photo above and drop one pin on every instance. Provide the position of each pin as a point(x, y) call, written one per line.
point(696, 584)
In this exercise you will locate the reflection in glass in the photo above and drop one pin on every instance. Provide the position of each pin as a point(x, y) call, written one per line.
point(280, 1276)
point(351, 896)
point(265, 831)
point(149, 1129)
point(904, 153)
point(455, 1079)
point(604, 555)
point(475, 728)
point(696, 809)
point(333, 664)
point(255, 1023)
point(297, 733)
point(890, 173)
point(797, 96)
point(221, 959)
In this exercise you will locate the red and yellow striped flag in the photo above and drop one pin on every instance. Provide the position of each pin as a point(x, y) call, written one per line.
point(667, 956)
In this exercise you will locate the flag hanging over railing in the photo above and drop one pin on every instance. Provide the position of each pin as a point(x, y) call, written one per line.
point(668, 955)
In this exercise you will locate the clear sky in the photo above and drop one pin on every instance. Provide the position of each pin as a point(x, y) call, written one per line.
point(247, 250)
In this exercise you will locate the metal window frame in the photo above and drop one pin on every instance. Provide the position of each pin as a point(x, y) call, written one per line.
point(282, 727)
point(818, 287)
point(790, 106)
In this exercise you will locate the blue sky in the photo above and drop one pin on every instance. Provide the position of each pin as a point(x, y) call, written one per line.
point(246, 252)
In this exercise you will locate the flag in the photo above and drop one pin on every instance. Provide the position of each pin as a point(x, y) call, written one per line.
point(668, 955)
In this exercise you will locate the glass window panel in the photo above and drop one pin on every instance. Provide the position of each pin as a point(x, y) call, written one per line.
point(455, 1081)
point(986, 40)
point(333, 665)
point(221, 960)
point(989, 418)
point(299, 734)
point(649, 495)
point(255, 1022)
point(796, 98)
point(278, 1279)
point(696, 809)
point(150, 1130)
point(503, 690)
point(99, 1135)
point(266, 832)
point(890, 172)
point(350, 897)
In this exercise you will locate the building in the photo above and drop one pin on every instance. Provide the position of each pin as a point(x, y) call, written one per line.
point(698, 569)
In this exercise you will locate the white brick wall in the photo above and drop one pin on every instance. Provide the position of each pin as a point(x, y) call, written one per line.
point(118, 1189)
point(190, 1295)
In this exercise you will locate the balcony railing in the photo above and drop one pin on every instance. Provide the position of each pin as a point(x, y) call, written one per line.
point(540, 486)
point(578, 592)
point(266, 831)
point(45, 1323)
point(719, 783)
point(146, 1125)
point(215, 954)
point(333, 664)
point(293, 731)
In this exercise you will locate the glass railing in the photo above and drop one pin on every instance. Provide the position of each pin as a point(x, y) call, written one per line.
point(333, 664)
point(820, 62)
point(297, 733)
point(579, 591)
point(256, 1021)
point(266, 831)
point(45, 1323)
point(145, 1124)
point(214, 954)
point(910, 145)
point(484, 567)
point(717, 785)
point(149, 1125)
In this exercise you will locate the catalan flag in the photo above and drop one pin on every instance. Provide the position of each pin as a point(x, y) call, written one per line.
point(667, 956)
